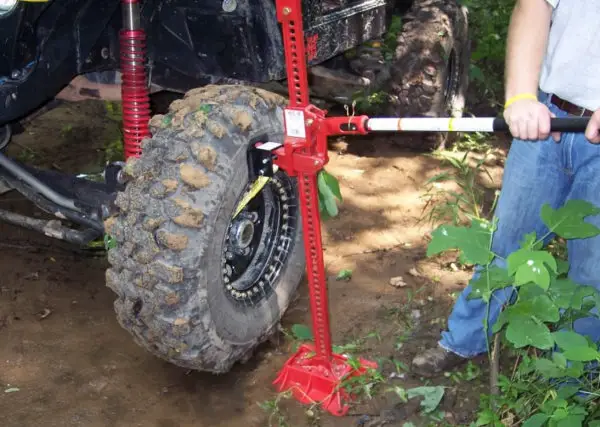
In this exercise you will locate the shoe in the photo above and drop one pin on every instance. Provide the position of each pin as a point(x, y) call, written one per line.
point(435, 361)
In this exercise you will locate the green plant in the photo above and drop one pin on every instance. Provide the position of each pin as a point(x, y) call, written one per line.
point(27, 155)
point(474, 142)
point(554, 382)
point(390, 39)
point(113, 148)
point(463, 204)
point(369, 102)
point(300, 333)
point(362, 386)
point(277, 417)
point(488, 25)
point(432, 396)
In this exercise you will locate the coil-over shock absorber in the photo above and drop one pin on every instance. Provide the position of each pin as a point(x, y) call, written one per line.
point(134, 89)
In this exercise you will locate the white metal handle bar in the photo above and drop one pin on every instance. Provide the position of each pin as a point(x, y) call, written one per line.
point(477, 124)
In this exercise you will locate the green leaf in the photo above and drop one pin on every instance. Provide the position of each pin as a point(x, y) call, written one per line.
point(109, 242)
point(501, 321)
point(525, 256)
point(322, 210)
point(331, 206)
point(562, 266)
point(529, 332)
point(557, 402)
point(534, 273)
point(529, 292)
point(490, 279)
point(569, 339)
point(562, 291)
point(580, 294)
point(575, 370)
point(567, 391)
point(432, 396)
point(568, 222)
point(302, 332)
point(530, 242)
point(326, 196)
point(475, 73)
point(595, 423)
point(538, 420)
point(205, 108)
point(530, 266)
point(571, 421)
point(543, 308)
point(582, 354)
point(473, 242)
point(485, 418)
point(332, 183)
point(548, 368)
point(538, 308)
point(559, 359)
point(444, 176)
point(344, 275)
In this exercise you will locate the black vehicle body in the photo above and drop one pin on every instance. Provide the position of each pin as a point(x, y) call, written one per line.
point(190, 43)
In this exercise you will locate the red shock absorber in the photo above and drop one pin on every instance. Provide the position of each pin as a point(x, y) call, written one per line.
point(134, 89)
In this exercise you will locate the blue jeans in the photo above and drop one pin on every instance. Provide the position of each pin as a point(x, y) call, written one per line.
point(535, 173)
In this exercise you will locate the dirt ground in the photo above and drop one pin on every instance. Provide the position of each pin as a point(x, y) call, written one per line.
point(64, 360)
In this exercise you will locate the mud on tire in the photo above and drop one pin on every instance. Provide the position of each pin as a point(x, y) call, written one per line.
point(179, 293)
point(431, 64)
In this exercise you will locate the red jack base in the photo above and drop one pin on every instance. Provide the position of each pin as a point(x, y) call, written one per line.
point(311, 379)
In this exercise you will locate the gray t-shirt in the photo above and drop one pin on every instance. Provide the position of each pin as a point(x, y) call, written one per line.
point(571, 68)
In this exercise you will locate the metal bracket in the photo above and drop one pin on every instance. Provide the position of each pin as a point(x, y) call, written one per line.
point(260, 159)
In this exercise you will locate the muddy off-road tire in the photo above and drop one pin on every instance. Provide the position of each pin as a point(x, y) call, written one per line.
point(430, 72)
point(194, 287)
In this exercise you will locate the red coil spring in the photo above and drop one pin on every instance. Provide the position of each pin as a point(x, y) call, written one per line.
point(134, 91)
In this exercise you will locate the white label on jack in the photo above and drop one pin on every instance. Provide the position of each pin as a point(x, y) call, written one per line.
point(294, 123)
point(269, 146)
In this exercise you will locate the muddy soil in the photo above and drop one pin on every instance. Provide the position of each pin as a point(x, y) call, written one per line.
point(64, 360)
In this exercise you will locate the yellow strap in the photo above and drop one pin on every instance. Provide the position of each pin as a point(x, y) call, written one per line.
point(518, 97)
point(258, 185)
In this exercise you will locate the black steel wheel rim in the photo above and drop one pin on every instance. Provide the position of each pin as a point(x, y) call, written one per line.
point(259, 241)
point(452, 77)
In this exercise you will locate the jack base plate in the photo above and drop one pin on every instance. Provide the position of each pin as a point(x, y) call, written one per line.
point(316, 380)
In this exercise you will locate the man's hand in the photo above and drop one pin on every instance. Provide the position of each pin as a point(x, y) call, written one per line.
point(529, 120)
point(592, 132)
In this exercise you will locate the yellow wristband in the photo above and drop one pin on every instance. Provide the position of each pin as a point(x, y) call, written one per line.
point(519, 97)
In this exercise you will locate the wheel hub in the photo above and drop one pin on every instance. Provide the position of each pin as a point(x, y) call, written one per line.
point(241, 235)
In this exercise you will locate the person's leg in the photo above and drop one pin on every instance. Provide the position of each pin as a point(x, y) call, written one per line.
point(584, 254)
point(534, 174)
